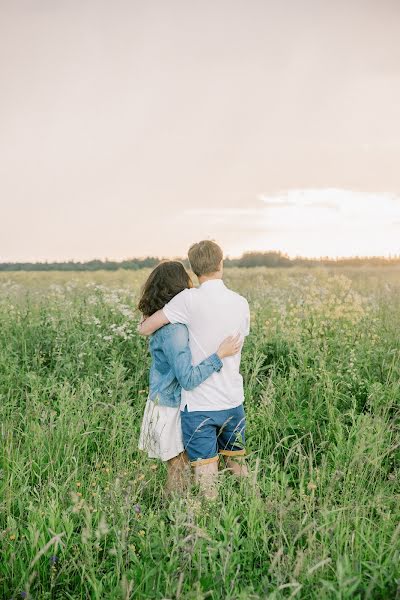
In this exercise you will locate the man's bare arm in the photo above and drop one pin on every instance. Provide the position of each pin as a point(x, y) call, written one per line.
point(151, 324)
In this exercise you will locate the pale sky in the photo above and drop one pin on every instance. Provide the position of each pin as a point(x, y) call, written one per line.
point(130, 128)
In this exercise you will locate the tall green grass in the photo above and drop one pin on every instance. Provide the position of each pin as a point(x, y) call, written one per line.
point(82, 513)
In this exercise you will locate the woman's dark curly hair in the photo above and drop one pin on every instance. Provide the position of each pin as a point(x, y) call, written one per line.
point(164, 282)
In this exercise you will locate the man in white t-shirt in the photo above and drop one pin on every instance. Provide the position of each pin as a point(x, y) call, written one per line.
point(213, 420)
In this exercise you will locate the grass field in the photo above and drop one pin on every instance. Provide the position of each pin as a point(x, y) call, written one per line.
point(81, 509)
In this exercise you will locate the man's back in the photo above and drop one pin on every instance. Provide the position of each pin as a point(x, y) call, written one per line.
point(212, 312)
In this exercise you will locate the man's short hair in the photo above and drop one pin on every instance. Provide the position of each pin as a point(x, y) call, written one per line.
point(205, 257)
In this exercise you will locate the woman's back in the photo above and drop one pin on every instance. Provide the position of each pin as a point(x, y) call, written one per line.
point(164, 345)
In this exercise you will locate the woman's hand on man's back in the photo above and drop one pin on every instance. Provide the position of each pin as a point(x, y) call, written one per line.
point(230, 346)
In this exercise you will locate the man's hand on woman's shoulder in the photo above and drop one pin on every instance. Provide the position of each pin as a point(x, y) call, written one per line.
point(151, 324)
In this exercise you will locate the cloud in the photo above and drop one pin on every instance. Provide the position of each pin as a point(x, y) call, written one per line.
point(299, 198)
point(221, 212)
point(308, 222)
point(346, 201)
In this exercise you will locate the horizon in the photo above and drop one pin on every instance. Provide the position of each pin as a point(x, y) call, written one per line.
point(359, 224)
point(392, 257)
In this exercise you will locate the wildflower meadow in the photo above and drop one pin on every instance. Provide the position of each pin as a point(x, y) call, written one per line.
point(82, 514)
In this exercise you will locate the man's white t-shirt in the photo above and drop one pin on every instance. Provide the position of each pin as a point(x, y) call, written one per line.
point(212, 312)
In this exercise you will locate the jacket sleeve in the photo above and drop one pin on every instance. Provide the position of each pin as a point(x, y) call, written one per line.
point(179, 357)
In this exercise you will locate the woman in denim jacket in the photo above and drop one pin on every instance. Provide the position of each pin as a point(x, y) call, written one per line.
point(171, 370)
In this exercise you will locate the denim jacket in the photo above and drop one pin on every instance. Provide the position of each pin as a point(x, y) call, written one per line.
point(171, 368)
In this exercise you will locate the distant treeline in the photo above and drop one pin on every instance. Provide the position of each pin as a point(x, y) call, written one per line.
point(249, 259)
point(91, 265)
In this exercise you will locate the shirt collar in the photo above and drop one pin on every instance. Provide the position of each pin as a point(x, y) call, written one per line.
point(212, 282)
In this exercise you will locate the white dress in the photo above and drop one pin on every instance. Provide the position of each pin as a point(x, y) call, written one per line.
point(161, 433)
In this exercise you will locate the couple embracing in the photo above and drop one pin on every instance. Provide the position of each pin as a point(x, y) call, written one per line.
point(194, 413)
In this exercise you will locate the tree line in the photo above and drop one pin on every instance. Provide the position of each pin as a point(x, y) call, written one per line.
point(248, 259)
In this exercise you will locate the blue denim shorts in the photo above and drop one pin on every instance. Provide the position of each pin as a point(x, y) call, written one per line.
point(206, 434)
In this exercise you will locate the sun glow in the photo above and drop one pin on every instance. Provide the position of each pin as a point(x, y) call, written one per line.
point(309, 222)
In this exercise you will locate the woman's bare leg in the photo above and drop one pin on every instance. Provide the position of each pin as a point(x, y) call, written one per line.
point(178, 474)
